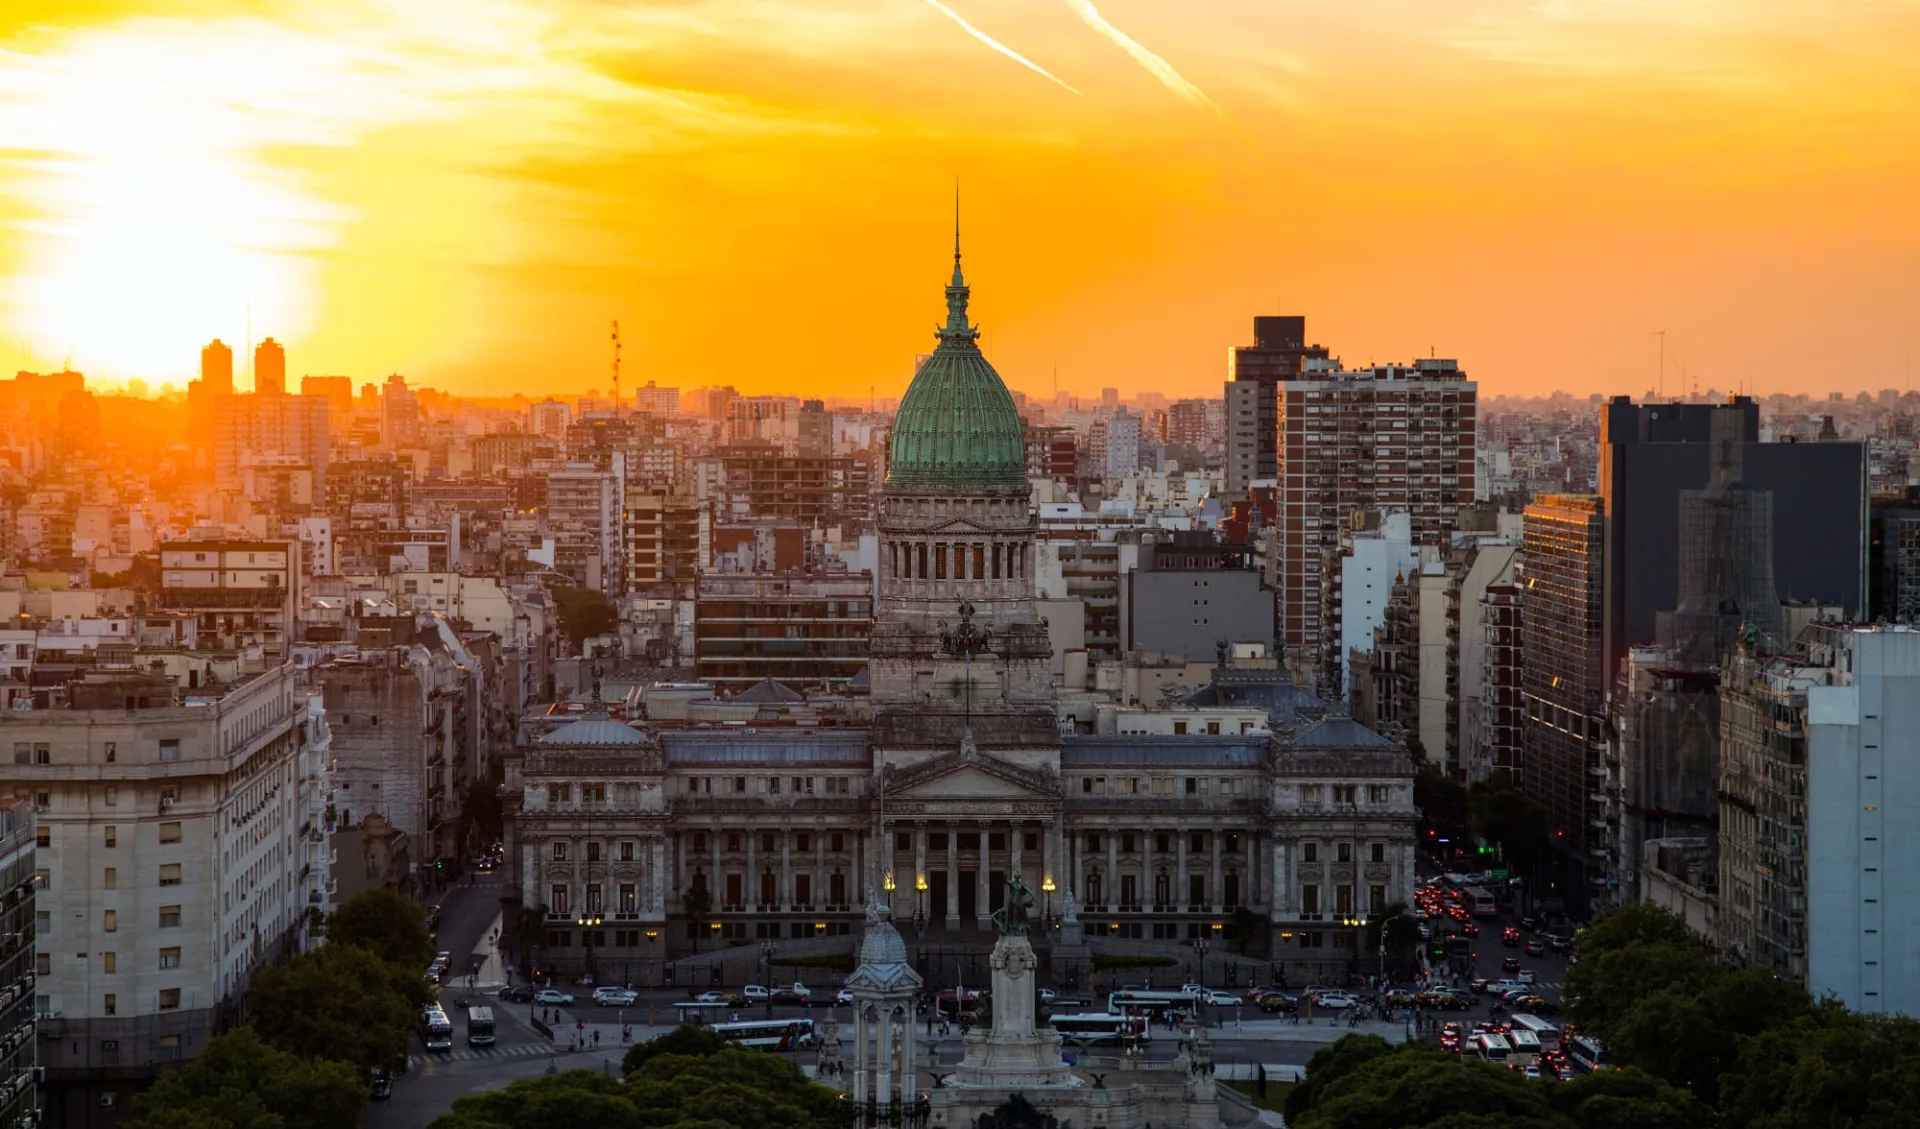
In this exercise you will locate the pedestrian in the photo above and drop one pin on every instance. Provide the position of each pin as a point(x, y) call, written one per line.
point(596, 1039)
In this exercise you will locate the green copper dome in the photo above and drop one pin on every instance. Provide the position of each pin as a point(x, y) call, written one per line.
point(957, 426)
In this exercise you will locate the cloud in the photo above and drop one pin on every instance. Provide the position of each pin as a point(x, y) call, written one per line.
point(1155, 65)
point(997, 45)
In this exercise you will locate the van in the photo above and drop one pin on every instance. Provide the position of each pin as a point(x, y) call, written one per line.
point(1545, 1032)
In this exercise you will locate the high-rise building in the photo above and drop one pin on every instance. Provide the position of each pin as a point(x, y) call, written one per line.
point(216, 367)
point(270, 368)
point(400, 413)
point(19, 914)
point(1123, 445)
point(1894, 577)
point(1187, 425)
point(583, 514)
point(182, 849)
point(1650, 453)
point(246, 594)
point(1565, 769)
point(806, 632)
point(653, 400)
point(815, 437)
point(1254, 374)
point(1392, 437)
point(336, 390)
point(663, 527)
point(550, 418)
point(253, 429)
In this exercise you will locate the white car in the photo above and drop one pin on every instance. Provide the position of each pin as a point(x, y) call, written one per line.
point(615, 997)
point(843, 998)
point(1334, 1000)
point(1525, 976)
point(1223, 999)
point(1199, 990)
point(756, 993)
point(1046, 995)
point(553, 996)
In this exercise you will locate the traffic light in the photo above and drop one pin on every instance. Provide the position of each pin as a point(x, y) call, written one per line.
point(439, 864)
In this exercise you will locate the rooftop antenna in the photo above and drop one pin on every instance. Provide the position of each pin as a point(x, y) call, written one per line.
point(1660, 374)
point(250, 344)
point(616, 368)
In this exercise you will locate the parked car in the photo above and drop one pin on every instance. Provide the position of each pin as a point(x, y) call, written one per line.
point(553, 996)
point(1558, 943)
point(615, 997)
point(517, 994)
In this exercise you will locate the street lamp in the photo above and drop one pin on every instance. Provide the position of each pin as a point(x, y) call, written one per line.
point(588, 922)
point(1047, 887)
point(766, 963)
point(1200, 947)
point(920, 904)
point(886, 883)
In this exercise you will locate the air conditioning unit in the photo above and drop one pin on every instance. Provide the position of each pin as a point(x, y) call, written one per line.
point(166, 802)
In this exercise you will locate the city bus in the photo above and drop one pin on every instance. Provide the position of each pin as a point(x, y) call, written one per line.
point(1547, 1033)
point(768, 1034)
point(1102, 1027)
point(479, 1027)
point(1586, 1053)
point(698, 1012)
point(1481, 902)
point(1525, 1044)
point(436, 1030)
point(1489, 1046)
point(1157, 1005)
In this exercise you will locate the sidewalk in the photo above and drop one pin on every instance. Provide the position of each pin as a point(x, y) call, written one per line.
point(1323, 1029)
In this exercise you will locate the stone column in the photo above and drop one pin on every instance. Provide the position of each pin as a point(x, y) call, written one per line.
point(1110, 885)
point(909, 1068)
point(1180, 871)
point(818, 896)
point(982, 896)
point(657, 878)
point(785, 892)
point(751, 895)
point(953, 876)
point(861, 1062)
point(1213, 879)
point(1282, 893)
point(1146, 866)
point(1015, 829)
point(1046, 856)
point(883, 1086)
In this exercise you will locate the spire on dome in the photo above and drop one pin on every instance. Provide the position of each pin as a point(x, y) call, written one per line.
point(958, 330)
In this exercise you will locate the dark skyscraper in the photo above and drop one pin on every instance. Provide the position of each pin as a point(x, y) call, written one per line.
point(1254, 371)
point(270, 368)
point(1651, 453)
point(1563, 690)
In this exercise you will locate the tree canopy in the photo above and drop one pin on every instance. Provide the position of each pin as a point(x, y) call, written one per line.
point(686, 1039)
point(732, 1089)
point(239, 1082)
point(387, 924)
point(339, 1002)
point(585, 613)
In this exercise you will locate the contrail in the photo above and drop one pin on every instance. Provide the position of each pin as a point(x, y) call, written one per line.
point(1156, 66)
point(997, 45)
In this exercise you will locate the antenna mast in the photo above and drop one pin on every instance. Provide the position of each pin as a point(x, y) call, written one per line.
point(616, 368)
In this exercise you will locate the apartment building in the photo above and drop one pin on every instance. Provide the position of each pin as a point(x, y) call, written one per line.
point(245, 593)
point(179, 850)
point(665, 529)
point(803, 630)
point(19, 911)
point(583, 514)
point(1391, 437)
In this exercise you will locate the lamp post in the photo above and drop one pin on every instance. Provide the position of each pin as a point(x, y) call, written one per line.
point(1047, 887)
point(1200, 947)
point(588, 922)
point(886, 883)
point(920, 905)
point(766, 964)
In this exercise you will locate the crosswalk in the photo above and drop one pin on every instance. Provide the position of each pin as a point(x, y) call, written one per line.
point(469, 1054)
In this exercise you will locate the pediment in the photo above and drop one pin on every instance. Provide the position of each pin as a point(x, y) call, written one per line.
point(959, 525)
point(969, 783)
point(970, 775)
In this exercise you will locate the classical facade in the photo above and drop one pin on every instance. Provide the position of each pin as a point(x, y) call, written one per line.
point(1264, 846)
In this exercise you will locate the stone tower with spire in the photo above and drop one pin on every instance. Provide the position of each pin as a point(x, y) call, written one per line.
point(956, 644)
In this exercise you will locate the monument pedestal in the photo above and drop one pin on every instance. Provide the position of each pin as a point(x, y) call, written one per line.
point(1012, 1053)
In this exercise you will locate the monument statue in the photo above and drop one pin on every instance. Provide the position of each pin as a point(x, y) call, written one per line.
point(1069, 908)
point(1012, 917)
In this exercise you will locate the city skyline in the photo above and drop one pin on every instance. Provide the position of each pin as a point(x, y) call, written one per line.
point(470, 201)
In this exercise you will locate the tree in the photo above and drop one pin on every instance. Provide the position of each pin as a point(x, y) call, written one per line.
point(1628, 1099)
point(743, 1089)
point(1829, 1067)
point(686, 1039)
point(1329, 1065)
point(1419, 1086)
point(339, 1002)
point(1635, 923)
point(1442, 801)
point(1503, 814)
point(585, 613)
point(578, 1099)
point(1397, 929)
point(239, 1082)
point(387, 924)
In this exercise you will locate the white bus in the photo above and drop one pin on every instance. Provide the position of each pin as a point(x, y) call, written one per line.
point(698, 1012)
point(1526, 1046)
point(769, 1034)
point(1155, 1004)
point(436, 1030)
point(479, 1027)
point(1101, 1027)
point(1491, 1047)
point(1547, 1033)
point(1587, 1053)
point(1480, 902)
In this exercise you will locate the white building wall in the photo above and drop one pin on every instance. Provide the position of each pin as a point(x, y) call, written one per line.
point(1366, 580)
point(1863, 826)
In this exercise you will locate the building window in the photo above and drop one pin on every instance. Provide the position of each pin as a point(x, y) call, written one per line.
point(109, 963)
point(42, 753)
point(766, 841)
point(560, 902)
point(1344, 852)
point(169, 999)
point(1379, 852)
point(43, 964)
point(1343, 900)
point(169, 833)
point(23, 752)
point(43, 837)
point(593, 850)
point(1093, 841)
point(113, 752)
point(1379, 794)
point(110, 922)
point(169, 917)
point(1197, 842)
point(559, 850)
point(169, 751)
point(113, 795)
point(1309, 852)
point(109, 1003)
point(626, 850)
point(169, 959)
point(1376, 899)
point(110, 879)
point(629, 898)
point(169, 874)
point(593, 898)
point(109, 1055)
point(559, 793)
point(1310, 900)
point(733, 842)
point(112, 834)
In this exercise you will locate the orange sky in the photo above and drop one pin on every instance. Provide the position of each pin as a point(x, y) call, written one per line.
point(468, 191)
